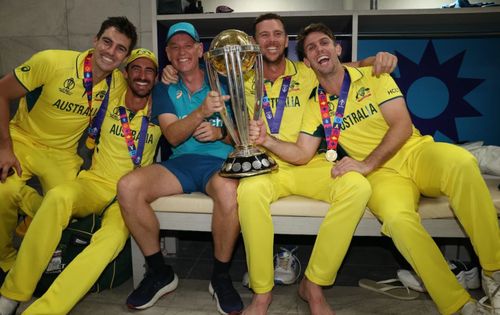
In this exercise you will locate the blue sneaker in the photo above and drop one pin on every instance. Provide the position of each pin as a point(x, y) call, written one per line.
point(151, 289)
point(227, 298)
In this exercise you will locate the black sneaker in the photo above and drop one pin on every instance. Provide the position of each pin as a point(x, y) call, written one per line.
point(151, 288)
point(227, 298)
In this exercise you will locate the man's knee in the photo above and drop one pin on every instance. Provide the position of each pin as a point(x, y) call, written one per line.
point(252, 188)
point(356, 184)
point(126, 185)
point(396, 222)
point(10, 196)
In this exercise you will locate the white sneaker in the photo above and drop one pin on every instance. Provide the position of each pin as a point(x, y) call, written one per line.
point(483, 307)
point(467, 274)
point(287, 266)
point(491, 287)
point(245, 281)
point(8, 306)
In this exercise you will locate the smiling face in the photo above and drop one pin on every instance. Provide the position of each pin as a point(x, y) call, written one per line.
point(184, 52)
point(110, 50)
point(272, 39)
point(141, 75)
point(321, 54)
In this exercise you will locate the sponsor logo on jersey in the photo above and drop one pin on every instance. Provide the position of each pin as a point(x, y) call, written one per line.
point(393, 91)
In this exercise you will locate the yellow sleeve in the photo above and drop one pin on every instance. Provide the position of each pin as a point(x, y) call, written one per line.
point(386, 89)
point(34, 72)
point(311, 120)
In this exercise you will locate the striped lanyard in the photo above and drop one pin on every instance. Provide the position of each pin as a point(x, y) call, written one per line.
point(135, 154)
point(275, 122)
point(332, 130)
point(96, 123)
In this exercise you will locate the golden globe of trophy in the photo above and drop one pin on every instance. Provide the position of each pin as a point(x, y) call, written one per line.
point(231, 55)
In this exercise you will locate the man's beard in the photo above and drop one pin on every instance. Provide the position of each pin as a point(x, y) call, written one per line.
point(144, 95)
point(140, 94)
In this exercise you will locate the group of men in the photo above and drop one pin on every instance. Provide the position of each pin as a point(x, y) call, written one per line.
point(388, 165)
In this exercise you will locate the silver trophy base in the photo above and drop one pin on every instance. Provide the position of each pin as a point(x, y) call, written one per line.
point(246, 163)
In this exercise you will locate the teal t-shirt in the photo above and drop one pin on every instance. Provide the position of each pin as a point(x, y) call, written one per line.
point(175, 99)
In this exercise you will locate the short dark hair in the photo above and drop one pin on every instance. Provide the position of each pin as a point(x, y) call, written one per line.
point(122, 25)
point(311, 28)
point(265, 17)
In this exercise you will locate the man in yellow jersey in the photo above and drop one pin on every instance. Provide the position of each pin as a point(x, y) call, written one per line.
point(381, 143)
point(128, 140)
point(54, 110)
point(288, 85)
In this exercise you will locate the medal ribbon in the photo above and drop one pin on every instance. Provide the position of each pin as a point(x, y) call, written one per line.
point(96, 123)
point(332, 130)
point(135, 154)
point(275, 122)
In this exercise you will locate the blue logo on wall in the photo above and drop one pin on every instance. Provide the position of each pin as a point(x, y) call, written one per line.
point(451, 85)
point(430, 82)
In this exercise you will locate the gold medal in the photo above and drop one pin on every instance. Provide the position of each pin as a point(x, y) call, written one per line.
point(90, 143)
point(331, 155)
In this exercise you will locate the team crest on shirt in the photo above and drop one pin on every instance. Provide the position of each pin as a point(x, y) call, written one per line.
point(362, 94)
point(67, 86)
point(294, 86)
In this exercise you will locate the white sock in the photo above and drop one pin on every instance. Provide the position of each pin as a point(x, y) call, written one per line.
point(7, 306)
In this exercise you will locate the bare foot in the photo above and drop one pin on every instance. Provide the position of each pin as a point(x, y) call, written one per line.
point(260, 304)
point(313, 295)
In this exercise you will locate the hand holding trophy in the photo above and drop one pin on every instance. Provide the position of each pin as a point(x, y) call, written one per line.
point(232, 54)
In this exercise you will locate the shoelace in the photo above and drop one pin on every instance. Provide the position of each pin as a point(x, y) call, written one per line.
point(283, 260)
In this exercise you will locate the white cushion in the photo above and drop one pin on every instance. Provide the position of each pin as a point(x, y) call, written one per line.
point(301, 206)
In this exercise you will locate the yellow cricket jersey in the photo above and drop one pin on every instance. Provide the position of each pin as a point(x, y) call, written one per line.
point(363, 126)
point(302, 84)
point(55, 111)
point(111, 158)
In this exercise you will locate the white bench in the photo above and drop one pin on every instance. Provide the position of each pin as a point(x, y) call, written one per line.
point(296, 215)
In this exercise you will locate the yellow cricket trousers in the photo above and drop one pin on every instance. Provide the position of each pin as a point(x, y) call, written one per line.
point(347, 195)
point(86, 195)
point(435, 169)
point(52, 167)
